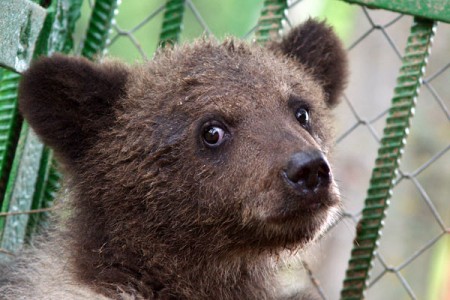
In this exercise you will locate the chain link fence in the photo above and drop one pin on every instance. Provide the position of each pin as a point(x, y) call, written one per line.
point(415, 230)
point(412, 261)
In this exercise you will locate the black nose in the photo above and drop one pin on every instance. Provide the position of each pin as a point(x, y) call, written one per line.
point(308, 170)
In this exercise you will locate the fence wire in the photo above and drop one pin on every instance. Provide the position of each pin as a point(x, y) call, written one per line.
point(416, 228)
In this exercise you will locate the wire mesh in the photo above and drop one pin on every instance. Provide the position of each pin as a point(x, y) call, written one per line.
point(392, 259)
point(390, 151)
point(416, 229)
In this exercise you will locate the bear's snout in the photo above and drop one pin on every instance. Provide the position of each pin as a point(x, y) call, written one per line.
point(307, 172)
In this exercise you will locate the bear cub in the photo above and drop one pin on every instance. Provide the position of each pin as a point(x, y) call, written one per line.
point(190, 176)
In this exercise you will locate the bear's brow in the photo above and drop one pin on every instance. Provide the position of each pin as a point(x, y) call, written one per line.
point(295, 101)
point(231, 115)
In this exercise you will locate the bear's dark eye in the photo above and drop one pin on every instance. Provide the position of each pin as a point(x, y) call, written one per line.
point(213, 135)
point(302, 116)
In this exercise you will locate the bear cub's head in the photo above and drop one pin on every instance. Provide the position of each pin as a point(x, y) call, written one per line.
point(209, 149)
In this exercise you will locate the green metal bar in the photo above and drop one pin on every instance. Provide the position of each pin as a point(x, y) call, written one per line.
point(102, 18)
point(20, 189)
point(270, 21)
point(45, 192)
point(172, 22)
point(10, 124)
point(386, 165)
point(20, 22)
point(438, 10)
point(56, 34)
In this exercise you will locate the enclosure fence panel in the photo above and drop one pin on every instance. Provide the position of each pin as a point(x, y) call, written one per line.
point(378, 264)
point(388, 160)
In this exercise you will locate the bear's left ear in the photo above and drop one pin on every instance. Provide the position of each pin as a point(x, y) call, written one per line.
point(68, 101)
point(315, 45)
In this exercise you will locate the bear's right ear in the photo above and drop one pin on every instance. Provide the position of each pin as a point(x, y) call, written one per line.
point(68, 101)
point(314, 45)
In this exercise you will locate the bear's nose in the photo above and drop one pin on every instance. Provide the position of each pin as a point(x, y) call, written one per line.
point(308, 170)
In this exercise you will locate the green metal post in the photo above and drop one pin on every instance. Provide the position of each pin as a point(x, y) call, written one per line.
point(9, 131)
point(9, 124)
point(172, 22)
point(102, 19)
point(387, 162)
point(270, 21)
point(46, 189)
point(56, 34)
point(20, 188)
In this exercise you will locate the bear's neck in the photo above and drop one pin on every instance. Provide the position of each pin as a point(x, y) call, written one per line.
point(167, 272)
point(166, 276)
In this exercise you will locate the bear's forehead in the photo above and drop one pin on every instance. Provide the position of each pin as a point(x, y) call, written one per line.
point(229, 74)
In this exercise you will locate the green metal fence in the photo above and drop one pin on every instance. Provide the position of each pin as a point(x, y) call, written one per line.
point(29, 179)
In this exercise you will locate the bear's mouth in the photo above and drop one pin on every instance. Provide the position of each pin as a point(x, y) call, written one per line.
point(299, 205)
point(298, 210)
point(294, 229)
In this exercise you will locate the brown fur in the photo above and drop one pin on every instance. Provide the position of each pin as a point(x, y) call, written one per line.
point(319, 49)
point(154, 212)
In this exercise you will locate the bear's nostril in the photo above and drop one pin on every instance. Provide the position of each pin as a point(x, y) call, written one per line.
point(308, 169)
point(324, 172)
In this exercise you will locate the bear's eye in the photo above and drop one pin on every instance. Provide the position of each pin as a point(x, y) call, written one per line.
point(213, 135)
point(302, 116)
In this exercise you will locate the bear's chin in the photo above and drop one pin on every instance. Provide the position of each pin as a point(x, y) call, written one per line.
point(291, 229)
point(300, 225)
point(315, 213)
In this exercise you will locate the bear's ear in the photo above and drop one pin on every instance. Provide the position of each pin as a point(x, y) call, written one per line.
point(316, 46)
point(68, 101)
